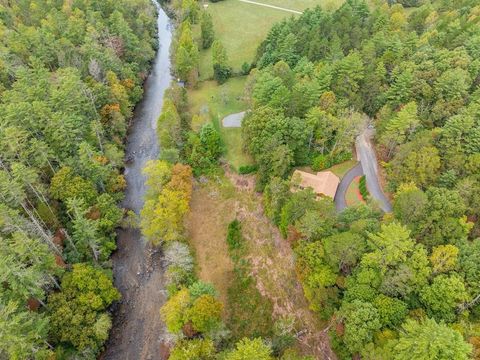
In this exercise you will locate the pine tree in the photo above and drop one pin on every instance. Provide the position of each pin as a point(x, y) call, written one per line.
point(221, 69)
point(208, 34)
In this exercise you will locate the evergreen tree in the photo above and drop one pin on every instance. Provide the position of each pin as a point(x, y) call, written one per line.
point(221, 69)
point(208, 34)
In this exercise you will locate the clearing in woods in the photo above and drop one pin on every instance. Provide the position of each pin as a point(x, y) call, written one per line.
point(218, 201)
point(241, 26)
point(212, 102)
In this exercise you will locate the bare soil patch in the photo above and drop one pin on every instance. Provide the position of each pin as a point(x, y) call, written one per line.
point(207, 229)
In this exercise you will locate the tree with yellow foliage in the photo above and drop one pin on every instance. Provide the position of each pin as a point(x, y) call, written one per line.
point(163, 213)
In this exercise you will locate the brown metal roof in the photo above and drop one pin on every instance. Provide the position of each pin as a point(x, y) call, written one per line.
point(323, 183)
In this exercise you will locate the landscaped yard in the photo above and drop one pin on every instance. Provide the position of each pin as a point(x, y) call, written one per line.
point(213, 102)
point(353, 196)
point(341, 169)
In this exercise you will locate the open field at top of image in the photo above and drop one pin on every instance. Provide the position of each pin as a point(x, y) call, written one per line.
point(241, 27)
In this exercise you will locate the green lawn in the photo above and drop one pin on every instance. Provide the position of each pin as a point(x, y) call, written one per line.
point(234, 153)
point(211, 100)
point(240, 27)
point(341, 169)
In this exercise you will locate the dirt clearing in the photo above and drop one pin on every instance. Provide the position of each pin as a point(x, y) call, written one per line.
point(207, 229)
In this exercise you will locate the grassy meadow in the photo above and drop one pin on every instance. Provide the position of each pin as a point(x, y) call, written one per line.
point(241, 27)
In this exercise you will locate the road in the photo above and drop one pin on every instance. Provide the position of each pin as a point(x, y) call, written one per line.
point(138, 332)
point(368, 166)
point(366, 155)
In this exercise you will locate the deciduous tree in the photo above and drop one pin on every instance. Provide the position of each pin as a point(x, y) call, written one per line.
point(247, 349)
point(77, 312)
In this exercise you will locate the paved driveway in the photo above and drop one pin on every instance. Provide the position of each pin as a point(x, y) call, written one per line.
point(366, 155)
point(233, 120)
point(367, 166)
point(340, 196)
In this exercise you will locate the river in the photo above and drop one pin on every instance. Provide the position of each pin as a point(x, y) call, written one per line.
point(138, 332)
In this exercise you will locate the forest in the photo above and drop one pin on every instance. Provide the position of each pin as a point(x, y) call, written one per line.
point(70, 74)
point(399, 285)
point(387, 283)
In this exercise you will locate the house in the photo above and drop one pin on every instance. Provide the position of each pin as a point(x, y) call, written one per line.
point(323, 183)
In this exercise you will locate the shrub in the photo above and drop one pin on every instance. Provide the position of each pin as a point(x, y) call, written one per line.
point(250, 349)
point(179, 266)
point(206, 26)
point(283, 334)
point(246, 67)
point(200, 288)
point(205, 314)
point(221, 73)
point(247, 169)
point(182, 313)
point(322, 161)
point(362, 185)
point(234, 235)
point(193, 349)
point(221, 69)
point(170, 155)
point(341, 157)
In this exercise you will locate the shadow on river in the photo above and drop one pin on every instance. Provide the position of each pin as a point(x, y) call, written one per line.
point(138, 332)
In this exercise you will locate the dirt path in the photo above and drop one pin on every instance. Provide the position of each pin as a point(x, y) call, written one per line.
point(214, 205)
point(271, 6)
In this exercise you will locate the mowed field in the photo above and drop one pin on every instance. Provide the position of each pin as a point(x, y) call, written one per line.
point(242, 26)
point(300, 5)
